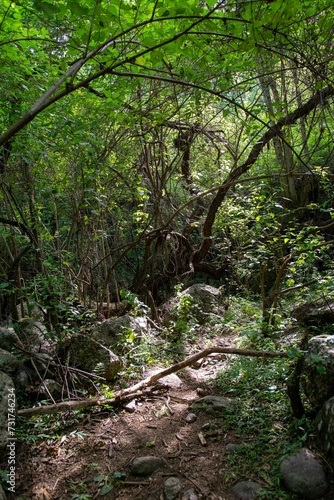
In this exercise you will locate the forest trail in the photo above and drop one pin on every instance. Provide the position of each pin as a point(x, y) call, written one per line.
point(97, 452)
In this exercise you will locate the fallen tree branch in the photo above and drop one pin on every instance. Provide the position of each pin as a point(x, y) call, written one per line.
point(138, 389)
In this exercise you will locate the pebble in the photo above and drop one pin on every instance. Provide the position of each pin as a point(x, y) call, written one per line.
point(172, 488)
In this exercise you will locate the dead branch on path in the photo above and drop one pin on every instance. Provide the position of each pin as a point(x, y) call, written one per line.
point(140, 389)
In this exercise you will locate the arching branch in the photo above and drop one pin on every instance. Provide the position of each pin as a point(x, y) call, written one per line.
point(274, 131)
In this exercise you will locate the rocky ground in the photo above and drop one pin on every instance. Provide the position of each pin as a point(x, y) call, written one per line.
point(99, 453)
point(168, 445)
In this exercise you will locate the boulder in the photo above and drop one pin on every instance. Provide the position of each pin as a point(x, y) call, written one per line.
point(325, 427)
point(49, 387)
point(113, 329)
point(8, 362)
point(32, 334)
point(30, 310)
point(204, 300)
point(303, 475)
point(318, 370)
point(8, 338)
point(206, 296)
point(171, 380)
point(42, 362)
point(7, 406)
point(315, 313)
point(91, 356)
point(24, 377)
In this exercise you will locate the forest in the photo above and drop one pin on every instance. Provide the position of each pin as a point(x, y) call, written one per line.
point(150, 148)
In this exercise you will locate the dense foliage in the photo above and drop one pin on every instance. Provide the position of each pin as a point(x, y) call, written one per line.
point(146, 143)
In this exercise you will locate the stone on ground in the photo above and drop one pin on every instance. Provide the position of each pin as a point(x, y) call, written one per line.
point(145, 466)
point(246, 490)
point(304, 475)
point(172, 488)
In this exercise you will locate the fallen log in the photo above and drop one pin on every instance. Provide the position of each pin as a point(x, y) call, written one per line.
point(140, 389)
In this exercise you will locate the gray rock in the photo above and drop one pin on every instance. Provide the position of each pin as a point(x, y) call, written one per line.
point(246, 490)
point(33, 369)
point(32, 334)
point(204, 299)
point(6, 405)
point(8, 338)
point(304, 475)
point(172, 488)
point(189, 495)
point(315, 314)
point(318, 377)
point(31, 310)
point(48, 387)
point(23, 377)
point(8, 362)
point(232, 447)
point(130, 407)
point(113, 329)
point(212, 402)
point(171, 380)
point(145, 466)
point(42, 362)
point(89, 355)
point(191, 417)
point(325, 426)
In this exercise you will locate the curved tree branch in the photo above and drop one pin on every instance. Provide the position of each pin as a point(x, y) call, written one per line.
point(273, 131)
point(57, 91)
point(123, 394)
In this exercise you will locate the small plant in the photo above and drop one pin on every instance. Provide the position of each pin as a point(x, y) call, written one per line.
point(81, 496)
point(262, 422)
point(138, 308)
point(106, 483)
point(319, 363)
point(185, 322)
point(79, 491)
point(106, 391)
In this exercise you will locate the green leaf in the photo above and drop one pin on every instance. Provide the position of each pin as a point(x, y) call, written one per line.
point(113, 9)
point(98, 479)
point(76, 8)
point(106, 489)
point(49, 9)
point(294, 353)
point(140, 60)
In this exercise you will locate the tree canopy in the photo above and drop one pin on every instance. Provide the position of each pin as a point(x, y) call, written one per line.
point(146, 142)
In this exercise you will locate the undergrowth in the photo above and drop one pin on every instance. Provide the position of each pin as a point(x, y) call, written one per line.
point(261, 418)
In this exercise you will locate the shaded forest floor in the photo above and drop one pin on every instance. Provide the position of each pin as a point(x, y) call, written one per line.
point(88, 455)
point(99, 449)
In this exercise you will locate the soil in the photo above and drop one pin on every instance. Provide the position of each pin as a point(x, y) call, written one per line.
point(106, 442)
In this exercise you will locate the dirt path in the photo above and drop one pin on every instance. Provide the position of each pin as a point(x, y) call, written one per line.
point(94, 453)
